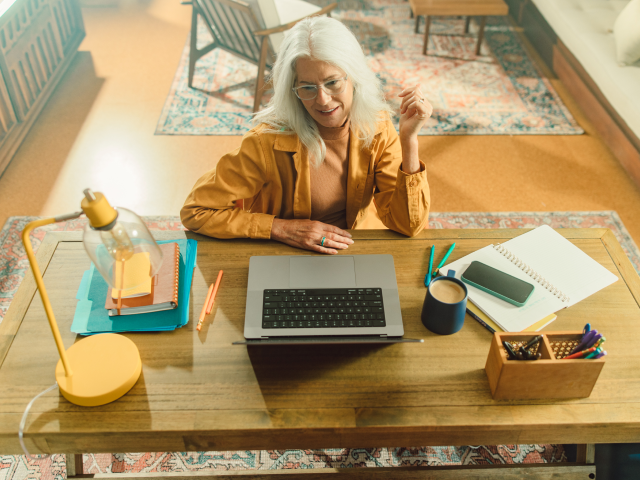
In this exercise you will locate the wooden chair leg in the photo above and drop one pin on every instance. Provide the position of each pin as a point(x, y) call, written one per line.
point(426, 34)
point(521, 11)
point(260, 79)
point(480, 34)
point(193, 44)
point(466, 24)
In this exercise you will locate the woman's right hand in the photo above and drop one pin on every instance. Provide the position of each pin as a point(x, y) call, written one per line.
point(308, 234)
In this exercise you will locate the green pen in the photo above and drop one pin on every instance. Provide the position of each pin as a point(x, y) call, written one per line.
point(444, 259)
point(593, 354)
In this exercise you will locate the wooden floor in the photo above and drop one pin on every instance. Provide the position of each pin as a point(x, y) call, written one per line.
point(98, 131)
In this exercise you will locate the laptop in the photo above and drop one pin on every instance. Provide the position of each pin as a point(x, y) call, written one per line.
point(344, 299)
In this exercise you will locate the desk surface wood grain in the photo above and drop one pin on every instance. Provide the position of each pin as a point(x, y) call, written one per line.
point(199, 392)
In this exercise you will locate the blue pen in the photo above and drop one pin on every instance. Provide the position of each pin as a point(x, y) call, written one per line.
point(427, 278)
point(586, 329)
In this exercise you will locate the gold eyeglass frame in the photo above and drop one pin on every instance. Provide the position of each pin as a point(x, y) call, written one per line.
point(321, 86)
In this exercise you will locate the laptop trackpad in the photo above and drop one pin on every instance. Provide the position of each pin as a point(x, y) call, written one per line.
point(321, 272)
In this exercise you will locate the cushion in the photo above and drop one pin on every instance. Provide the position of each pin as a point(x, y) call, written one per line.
point(586, 28)
point(626, 31)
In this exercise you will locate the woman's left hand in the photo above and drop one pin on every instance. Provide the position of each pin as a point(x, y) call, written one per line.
point(414, 112)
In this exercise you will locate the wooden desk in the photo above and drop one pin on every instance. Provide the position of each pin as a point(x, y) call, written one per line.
point(198, 392)
point(481, 8)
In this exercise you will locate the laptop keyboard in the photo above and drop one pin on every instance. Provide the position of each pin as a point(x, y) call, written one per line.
point(308, 308)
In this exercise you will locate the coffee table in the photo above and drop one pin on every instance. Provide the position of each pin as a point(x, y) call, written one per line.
point(199, 392)
point(469, 8)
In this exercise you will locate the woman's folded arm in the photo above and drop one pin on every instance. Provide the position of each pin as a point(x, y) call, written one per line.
point(210, 207)
point(402, 200)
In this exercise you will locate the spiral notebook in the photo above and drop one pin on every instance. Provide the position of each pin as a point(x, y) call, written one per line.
point(561, 273)
point(164, 285)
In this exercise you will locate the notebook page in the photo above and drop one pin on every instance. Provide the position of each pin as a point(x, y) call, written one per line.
point(561, 263)
point(509, 317)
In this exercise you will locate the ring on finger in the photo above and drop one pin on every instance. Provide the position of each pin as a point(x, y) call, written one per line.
point(324, 238)
point(421, 101)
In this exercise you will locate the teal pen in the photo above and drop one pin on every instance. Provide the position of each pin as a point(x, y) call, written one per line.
point(593, 354)
point(427, 278)
point(444, 259)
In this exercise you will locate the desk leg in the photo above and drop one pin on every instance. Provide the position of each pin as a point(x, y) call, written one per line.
point(417, 22)
point(426, 34)
point(466, 24)
point(480, 34)
point(586, 453)
point(75, 465)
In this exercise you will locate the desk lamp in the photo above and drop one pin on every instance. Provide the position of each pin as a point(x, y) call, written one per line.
point(99, 369)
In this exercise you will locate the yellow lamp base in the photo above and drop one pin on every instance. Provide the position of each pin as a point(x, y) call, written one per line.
point(104, 366)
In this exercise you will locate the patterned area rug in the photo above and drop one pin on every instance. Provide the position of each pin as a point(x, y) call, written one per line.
point(16, 467)
point(13, 266)
point(498, 92)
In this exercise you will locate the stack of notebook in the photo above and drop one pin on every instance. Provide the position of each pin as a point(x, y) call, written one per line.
point(162, 304)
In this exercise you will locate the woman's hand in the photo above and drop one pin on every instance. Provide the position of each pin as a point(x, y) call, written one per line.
point(308, 234)
point(414, 112)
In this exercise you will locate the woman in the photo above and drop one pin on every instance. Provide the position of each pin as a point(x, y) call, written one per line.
point(323, 148)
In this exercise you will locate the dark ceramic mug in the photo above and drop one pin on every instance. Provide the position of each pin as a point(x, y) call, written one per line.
point(445, 305)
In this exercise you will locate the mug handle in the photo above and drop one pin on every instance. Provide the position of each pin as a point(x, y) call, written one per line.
point(451, 273)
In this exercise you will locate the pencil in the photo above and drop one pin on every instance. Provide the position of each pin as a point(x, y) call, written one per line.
point(203, 312)
point(215, 291)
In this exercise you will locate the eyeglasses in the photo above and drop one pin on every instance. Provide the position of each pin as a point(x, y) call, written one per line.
point(331, 87)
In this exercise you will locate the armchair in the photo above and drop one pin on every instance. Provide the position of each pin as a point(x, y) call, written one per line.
point(252, 31)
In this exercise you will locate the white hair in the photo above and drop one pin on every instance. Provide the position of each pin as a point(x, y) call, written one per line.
point(330, 41)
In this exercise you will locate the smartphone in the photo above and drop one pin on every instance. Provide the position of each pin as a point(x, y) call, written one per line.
point(500, 284)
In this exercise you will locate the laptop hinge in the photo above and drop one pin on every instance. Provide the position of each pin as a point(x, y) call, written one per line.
point(383, 335)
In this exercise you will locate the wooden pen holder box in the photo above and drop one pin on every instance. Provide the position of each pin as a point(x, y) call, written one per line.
point(550, 377)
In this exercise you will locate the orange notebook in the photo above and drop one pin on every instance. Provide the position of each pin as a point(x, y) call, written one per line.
point(164, 287)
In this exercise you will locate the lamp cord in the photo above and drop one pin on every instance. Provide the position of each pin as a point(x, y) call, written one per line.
point(23, 421)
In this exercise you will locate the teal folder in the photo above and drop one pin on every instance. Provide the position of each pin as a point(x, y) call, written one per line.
point(92, 318)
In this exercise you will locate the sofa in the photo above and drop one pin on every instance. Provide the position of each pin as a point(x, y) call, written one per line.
point(576, 39)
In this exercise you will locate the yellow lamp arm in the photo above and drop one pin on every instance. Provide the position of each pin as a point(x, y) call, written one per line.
point(40, 283)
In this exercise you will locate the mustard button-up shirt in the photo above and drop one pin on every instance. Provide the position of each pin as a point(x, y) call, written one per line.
point(270, 171)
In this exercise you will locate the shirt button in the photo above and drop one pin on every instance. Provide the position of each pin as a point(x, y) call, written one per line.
point(412, 183)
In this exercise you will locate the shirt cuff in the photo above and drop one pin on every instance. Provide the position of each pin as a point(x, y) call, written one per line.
point(413, 182)
point(260, 227)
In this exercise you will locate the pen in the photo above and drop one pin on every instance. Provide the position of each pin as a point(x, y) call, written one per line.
point(595, 341)
point(203, 312)
point(579, 355)
point(482, 323)
point(586, 329)
point(602, 354)
point(427, 278)
point(510, 350)
point(444, 259)
point(585, 341)
point(215, 291)
point(594, 354)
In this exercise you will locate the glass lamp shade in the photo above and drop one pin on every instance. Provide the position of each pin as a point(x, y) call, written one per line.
point(118, 242)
